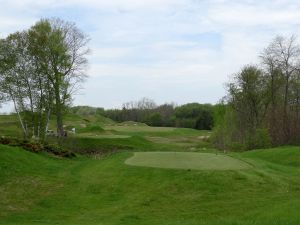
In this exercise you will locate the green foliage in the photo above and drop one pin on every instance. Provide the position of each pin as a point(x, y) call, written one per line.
point(261, 139)
point(154, 119)
point(204, 121)
point(265, 100)
point(40, 69)
point(219, 114)
point(194, 115)
point(240, 124)
point(225, 136)
point(186, 122)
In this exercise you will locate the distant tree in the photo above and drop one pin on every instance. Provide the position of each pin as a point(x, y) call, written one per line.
point(248, 97)
point(263, 103)
point(154, 119)
point(166, 112)
point(281, 60)
point(205, 121)
point(194, 115)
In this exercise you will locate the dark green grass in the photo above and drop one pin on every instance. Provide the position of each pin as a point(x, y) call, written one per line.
point(39, 189)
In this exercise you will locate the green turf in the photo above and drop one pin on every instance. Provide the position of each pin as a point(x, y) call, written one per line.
point(39, 189)
point(186, 160)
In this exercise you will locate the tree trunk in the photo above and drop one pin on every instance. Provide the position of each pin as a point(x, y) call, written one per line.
point(59, 121)
point(20, 118)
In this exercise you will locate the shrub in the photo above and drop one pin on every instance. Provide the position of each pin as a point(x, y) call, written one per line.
point(32, 146)
point(5, 140)
point(10, 141)
point(58, 150)
point(262, 138)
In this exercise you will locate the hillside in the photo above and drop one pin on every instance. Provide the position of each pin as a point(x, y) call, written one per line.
point(96, 134)
point(40, 189)
point(171, 176)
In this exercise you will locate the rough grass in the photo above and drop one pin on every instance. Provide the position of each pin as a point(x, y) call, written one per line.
point(186, 160)
point(38, 189)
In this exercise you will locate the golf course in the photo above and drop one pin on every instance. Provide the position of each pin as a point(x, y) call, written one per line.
point(152, 112)
point(152, 175)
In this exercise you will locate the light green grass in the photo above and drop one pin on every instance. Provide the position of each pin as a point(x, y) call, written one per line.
point(186, 160)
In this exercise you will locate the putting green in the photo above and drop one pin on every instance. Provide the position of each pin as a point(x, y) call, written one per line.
point(186, 160)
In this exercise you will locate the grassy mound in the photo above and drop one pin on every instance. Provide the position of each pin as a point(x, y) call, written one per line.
point(91, 129)
point(186, 160)
point(103, 146)
point(288, 155)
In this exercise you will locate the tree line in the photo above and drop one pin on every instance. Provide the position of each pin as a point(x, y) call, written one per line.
point(40, 69)
point(191, 115)
point(262, 106)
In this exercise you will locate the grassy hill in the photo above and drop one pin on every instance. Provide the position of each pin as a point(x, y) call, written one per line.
point(97, 134)
point(40, 189)
point(44, 189)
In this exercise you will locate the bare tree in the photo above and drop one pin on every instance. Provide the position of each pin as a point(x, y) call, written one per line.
point(281, 58)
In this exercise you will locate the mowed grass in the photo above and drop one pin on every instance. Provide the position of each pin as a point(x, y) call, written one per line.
point(186, 160)
point(40, 189)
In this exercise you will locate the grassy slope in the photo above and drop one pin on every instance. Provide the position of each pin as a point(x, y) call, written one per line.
point(38, 189)
point(98, 133)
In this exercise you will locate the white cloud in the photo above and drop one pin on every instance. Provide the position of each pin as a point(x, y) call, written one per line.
point(158, 48)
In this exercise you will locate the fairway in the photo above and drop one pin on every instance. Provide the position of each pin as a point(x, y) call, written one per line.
point(186, 160)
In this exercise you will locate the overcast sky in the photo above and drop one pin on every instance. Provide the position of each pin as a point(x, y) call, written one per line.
point(167, 50)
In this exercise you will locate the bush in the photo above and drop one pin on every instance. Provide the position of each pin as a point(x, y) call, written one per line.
point(236, 146)
point(58, 150)
point(7, 140)
point(34, 146)
point(262, 139)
